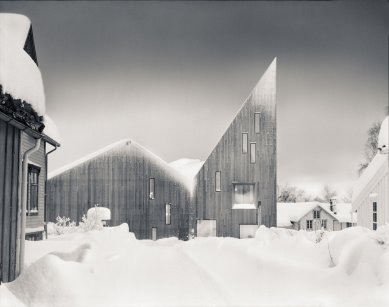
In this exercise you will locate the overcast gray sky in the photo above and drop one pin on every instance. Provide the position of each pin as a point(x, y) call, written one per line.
point(171, 75)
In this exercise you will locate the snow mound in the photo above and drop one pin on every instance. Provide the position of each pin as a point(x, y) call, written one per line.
point(19, 74)
point(187, 167)
point(103, 213)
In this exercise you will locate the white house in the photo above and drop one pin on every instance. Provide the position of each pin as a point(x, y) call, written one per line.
point(315, 215)
point(370, 194)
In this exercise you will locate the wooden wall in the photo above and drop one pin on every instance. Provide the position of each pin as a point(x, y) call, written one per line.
point(119, 179)
point(9, 198)
point(38, 159)
point(235, 166)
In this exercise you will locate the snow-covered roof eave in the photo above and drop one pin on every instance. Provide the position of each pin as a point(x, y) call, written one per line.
point(20, 76)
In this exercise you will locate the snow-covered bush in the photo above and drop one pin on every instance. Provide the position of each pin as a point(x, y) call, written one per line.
point(93, 220)
point(64, 225)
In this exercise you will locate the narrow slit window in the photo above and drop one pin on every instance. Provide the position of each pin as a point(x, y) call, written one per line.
point(154, 233)
point(252, 152)
point(257, 122)
point(218, 185)
point(245, 141)
point(374, 215)
point(168, 214)
point(32, 190)
point(151, 188)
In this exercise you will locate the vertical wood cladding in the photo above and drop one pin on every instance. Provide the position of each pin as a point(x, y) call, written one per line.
point(9, 198)
point(257, 118)
point(119, 180)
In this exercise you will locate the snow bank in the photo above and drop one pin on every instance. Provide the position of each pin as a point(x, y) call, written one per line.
point(19, 74)
point(279, 267)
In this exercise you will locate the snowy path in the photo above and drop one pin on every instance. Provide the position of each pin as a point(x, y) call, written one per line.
point(277, 268)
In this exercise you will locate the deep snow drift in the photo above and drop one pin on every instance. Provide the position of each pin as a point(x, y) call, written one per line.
point(277, 268)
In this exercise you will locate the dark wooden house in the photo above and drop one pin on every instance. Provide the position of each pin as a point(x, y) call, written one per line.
point(235, 190)
point(23, 156)
point(137, 186)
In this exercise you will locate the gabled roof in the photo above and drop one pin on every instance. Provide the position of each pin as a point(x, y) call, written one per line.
point(121, 147)
point(293, 212)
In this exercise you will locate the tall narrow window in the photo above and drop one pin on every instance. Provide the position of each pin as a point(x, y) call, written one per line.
point(245, 141)
point(374, 215)
point(309, 224)
point(218, 185)
point(257, 122)
point(152, 188)
point(32, 190)
point(168, 214)
point(154, 233)
point(252, 152)
point(324, 224)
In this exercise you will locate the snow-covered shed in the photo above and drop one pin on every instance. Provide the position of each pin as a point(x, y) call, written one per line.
point(315, 215)
point(370, 193)
point(138, 187)
point(23, 142)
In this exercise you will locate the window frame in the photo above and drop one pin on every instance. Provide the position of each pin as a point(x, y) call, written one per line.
point(253, 158)
point(324, 224)
point(32, 169)
point(168, 214)
point(152, 180)
point(249, 184)
point(245, 141)
point(309, 224)
point(218, 181)
point(375, 205)
point(316, 214)
point(257, 122)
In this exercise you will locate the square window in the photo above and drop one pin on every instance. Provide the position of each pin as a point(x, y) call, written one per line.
point(244, 196)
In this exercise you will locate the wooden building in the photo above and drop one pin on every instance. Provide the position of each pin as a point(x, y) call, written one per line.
point(313, 216)
point(235, 189)
point(371, 190)
point(22, 147)
point(137, 186)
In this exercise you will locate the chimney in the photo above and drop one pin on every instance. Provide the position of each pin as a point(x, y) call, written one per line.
point(333, 205)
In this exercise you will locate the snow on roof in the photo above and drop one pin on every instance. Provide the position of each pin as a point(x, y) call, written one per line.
point(187, 167)
point(120, 145)
point(383, 136)
point(19, 74)
point(379, 161)
point(344, 212)
point(293, 212)
point(51, 129)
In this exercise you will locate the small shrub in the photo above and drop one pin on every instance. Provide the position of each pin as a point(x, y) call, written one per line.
point(64, 225)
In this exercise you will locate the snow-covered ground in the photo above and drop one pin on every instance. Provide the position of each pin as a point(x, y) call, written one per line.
point(277, 268)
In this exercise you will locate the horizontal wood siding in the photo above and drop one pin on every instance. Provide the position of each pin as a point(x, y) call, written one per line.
point(119, 180)
point(9, 198)
point(378, 186)
point(234, 165)
point(38, 159)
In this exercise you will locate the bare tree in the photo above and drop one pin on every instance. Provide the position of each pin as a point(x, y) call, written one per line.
point(371, 146)
point(328, 193)
point(291, 194)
